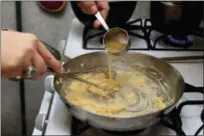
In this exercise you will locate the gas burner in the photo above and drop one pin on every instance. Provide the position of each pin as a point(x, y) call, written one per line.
point(183, 42)
point(166, 42)
point(81, 128)
point(124, 133)
point(174, 122)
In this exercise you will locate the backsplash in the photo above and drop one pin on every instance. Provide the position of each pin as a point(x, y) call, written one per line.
point(8, 18)
point(142, 10)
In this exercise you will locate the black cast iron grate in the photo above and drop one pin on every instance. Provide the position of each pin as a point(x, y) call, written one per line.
point(174, 116)
point(146, 29)
point(169, 40)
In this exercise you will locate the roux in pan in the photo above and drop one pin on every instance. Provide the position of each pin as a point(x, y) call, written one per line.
point(140, 90)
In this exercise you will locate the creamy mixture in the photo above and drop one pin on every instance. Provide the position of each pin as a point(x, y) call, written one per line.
point(131, 93)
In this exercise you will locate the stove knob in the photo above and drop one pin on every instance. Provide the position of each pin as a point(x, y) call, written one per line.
point(40, 121)
point(49, 86)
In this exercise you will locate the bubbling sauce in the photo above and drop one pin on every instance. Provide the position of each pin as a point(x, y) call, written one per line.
point(115, 43)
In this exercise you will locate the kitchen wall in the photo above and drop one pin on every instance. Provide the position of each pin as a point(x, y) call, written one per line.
point(10, 103)
point(50, 29)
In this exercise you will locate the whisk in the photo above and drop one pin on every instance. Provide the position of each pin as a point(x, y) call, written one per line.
point(75, 75)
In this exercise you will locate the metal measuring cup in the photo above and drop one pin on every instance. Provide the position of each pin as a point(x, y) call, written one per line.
point(120, 35)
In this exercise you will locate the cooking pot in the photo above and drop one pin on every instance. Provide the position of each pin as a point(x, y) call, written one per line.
point(97, 60)
point(119, 13)
point(178, 18)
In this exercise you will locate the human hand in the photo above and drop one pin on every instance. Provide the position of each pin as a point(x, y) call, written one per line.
point(91, 7)
point(21, 50)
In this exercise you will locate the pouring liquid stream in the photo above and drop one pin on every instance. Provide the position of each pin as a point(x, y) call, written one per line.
point(112, 46)
point(110, 66)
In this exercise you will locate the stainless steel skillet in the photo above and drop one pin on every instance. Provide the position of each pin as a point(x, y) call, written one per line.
point(97, 60)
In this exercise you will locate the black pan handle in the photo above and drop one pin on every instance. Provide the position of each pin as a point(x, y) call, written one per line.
point(52, 50)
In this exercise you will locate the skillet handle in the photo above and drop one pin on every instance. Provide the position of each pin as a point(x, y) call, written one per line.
point(59, 56)
point(53, 51)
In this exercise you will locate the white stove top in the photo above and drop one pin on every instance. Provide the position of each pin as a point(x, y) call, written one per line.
point(55, 119)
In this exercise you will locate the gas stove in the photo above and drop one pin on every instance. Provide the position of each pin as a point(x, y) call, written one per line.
point(186, 119)
point(143, 38)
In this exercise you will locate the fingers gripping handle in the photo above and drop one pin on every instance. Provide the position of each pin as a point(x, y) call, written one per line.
point(57, 54)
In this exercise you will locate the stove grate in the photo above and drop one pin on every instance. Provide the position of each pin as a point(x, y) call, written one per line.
point(174, 115)
point(166, 40)
point(145, 32)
